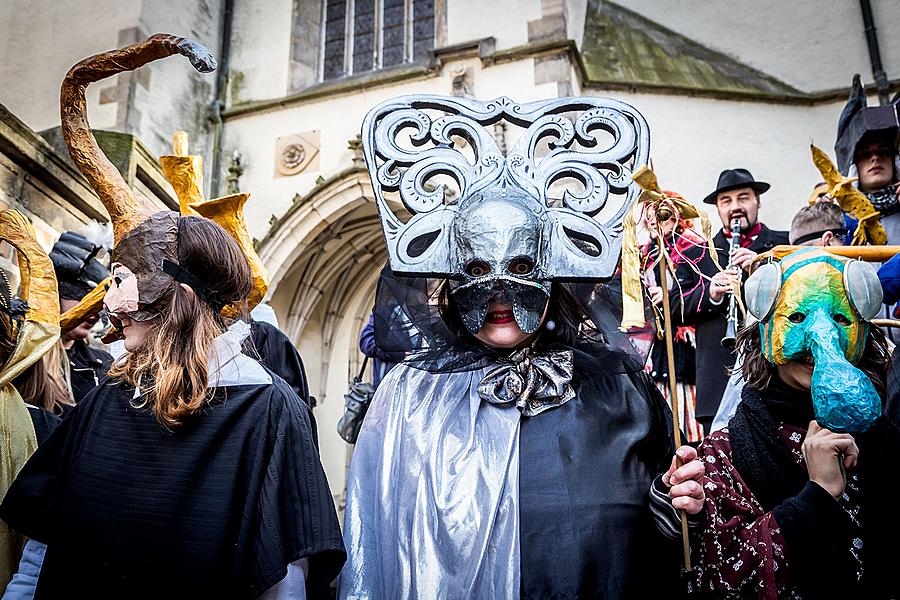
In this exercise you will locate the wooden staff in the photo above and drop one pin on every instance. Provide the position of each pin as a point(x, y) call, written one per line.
point(867, 253)
point(673, 387)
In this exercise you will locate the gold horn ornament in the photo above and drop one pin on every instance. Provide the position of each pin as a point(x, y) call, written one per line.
point(185, 173)
point(652, 198)
point(86, 308)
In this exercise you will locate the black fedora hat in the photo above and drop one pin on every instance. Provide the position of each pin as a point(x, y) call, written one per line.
point(732, 179)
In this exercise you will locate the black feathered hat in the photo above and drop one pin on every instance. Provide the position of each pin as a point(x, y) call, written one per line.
point(77, 269)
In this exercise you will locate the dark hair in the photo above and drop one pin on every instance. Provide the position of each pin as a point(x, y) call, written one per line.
point(7, 337)
point(564, 310)
point(758, 371)
point(210, 253)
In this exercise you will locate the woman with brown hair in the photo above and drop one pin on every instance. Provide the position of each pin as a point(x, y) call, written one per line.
point(193, 470)
point(191, 460)
point(799, 488)
point(29, 327)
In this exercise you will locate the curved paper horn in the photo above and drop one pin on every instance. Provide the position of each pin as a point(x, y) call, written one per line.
point(863, 288)
point(228, 212)
point(37, 278)
point(123, 207)
point(761, 290)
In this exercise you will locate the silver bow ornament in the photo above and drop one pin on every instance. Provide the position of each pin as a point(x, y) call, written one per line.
point(534, 381)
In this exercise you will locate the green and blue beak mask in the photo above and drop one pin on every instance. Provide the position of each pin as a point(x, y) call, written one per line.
point(816, 306)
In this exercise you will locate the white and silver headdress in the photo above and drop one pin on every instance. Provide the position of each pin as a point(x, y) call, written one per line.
point(511, 228)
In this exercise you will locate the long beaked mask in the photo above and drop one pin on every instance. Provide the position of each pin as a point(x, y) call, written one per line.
point(140, 288)
point(816, 304)
point(510, 230)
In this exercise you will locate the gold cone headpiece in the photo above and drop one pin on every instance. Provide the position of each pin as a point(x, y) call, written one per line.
point(185, 173)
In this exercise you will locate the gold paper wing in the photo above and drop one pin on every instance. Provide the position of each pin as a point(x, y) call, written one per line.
point(851, 200)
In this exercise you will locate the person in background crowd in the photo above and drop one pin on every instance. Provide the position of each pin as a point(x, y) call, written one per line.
point(737, 196)
point(799, 488)
point(866, 147)
point(78, 272)
point(820, 224)
point(381, 362)
point(686, 249)
point(29, 326)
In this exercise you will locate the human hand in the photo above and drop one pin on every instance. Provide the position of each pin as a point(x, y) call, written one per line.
point(683, 482)
point(722, 283)
point(655, 293)
point(743, 258)
point(826, 452)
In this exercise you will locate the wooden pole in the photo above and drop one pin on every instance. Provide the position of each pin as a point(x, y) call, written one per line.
point(867, 253)
point(673, 387)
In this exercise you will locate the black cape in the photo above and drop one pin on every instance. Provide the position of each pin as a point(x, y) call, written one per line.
point(271, 347)
point(585, 471)
point(44, 422)
point(217, 509)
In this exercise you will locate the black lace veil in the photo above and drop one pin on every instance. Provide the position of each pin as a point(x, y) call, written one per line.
point(415, 323)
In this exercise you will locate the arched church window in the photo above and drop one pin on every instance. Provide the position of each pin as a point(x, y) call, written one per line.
point(359, 36)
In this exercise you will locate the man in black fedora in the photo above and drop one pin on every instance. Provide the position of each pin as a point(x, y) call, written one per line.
point(705, 301)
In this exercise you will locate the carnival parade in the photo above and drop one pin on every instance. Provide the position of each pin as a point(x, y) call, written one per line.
point(397, 299)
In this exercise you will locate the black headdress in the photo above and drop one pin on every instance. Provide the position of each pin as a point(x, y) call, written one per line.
point(77, 269)
point(858, 120)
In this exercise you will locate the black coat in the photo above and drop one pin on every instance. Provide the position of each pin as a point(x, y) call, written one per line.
point(271, 347)
point(88, 366)
point(710, 320)
point(214, 509)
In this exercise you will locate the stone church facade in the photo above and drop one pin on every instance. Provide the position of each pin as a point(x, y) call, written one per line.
point(722, 85)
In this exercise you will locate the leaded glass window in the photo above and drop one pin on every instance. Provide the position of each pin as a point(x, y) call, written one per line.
point(359, 36)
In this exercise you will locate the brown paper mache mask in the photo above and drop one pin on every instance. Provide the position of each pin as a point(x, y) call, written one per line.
point(140, 289)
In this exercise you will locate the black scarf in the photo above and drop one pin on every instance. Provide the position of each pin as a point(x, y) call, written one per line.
point(759, 454)
point(885, 201)
point(767, 465)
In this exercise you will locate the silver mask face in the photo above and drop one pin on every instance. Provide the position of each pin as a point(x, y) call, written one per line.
point(498, 242)
point(511, 204)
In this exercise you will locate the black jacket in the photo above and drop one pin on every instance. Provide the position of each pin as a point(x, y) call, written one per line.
point(88, 366)
point(270, 346)
point(710, 320)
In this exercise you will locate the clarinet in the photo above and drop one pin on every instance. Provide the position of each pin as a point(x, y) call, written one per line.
point(731, 325)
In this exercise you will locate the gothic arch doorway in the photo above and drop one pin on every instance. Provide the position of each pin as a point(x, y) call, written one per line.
point(324, 256)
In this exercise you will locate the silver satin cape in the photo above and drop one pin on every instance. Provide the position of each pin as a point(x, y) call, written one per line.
point(432, 496)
